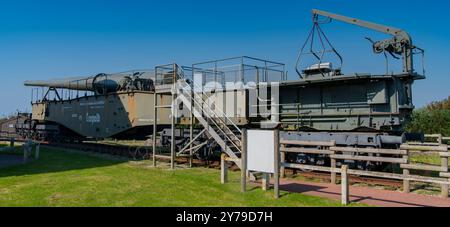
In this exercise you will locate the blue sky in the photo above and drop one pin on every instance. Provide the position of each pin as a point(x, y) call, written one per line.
point(56, 39)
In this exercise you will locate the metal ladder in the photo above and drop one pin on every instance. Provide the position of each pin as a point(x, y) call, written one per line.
point(216, 123)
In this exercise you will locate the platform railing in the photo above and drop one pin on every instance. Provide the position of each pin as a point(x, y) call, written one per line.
point(240, 70)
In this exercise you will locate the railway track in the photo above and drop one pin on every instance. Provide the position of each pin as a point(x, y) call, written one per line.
point(115, 150)
point(127, 152)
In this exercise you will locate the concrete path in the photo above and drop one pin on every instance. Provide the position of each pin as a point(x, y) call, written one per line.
point(370, 196)
point(10, 160)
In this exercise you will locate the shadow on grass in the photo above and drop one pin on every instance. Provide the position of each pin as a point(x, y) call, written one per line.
point(54, 161)
point(7, 160)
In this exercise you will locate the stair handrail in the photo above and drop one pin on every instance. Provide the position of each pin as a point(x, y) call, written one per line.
point(196, 101)
point(221, 115)
point(182, 76)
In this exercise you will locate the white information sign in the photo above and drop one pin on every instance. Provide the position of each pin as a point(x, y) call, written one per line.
point(261, 151)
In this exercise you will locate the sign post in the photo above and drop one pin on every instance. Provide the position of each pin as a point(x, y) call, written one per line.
point(276, 175)
point(223, 169)
point(244, 161)
point(263, 155)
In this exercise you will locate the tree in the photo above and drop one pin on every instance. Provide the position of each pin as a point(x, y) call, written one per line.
point(433, 119)
point(442, 105)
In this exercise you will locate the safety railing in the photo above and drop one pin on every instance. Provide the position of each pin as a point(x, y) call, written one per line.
point(196, 88)
point(222, 125)
point(239, 70)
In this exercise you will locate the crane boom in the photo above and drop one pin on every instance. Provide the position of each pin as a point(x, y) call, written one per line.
point(400, 44)
point(365, 24)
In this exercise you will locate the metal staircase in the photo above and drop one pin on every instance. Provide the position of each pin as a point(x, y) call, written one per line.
point(216, 123)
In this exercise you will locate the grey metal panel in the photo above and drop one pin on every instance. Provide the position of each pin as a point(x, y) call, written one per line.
point(103, 116)
point(368, 102)
point(344, 94)
point(345, 139)
point(376, 93)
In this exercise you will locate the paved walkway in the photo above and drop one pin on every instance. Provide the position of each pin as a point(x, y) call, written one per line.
point(370, 196)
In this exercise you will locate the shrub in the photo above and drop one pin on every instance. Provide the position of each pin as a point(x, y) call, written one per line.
point(430, 121)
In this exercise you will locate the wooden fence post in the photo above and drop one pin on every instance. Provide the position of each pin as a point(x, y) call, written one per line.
point(283, 160)
point(37, 152)
point(444, 186)
point(333, 165)
point(11, 142)
point(333, 174)
point(406, 183)
point(244, 161)
point(439, 139)
point(345, 185)
point(265, 181)
point(224, 170)
point(406, 172)
point(25, 152)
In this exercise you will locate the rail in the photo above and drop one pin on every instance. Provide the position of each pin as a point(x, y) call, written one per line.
point(204, 94)
point(220, 115)
point(438, 139)
point(199, 101)
point(240, 69)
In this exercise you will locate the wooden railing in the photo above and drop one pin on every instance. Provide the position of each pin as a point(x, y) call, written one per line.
point(438, 140)
point(400, 157)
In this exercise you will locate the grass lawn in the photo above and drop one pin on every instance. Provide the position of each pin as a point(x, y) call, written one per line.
point(424, 158)
point(77, 179)
point(430, 159)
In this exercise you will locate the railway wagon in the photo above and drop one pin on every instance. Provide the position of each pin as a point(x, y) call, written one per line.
point(116, 107)
point(354, 110)
point(11, 127)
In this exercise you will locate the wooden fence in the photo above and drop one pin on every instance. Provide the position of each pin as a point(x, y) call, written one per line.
point(438, 140)
point(400, 157)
